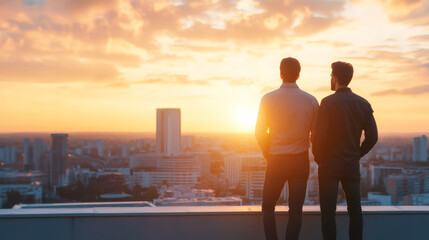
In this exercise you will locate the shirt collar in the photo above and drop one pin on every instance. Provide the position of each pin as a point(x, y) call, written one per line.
point(346, 89)
point(289, 85)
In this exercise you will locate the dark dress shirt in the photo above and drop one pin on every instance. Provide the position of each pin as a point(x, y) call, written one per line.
point(341, 119)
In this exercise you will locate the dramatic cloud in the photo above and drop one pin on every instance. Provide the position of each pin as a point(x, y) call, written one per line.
point(394, 67)
point(57, 37)
point(172, 79)
point(417, 90)
point(57, 71)
point(414, 12)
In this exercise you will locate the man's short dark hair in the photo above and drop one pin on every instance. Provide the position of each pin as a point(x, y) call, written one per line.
point(343, 72)
point(290, 69)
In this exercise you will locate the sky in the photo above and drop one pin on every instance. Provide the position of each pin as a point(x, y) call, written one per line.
point(106, 65)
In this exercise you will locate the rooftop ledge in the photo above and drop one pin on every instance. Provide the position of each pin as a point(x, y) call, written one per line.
point(200, 222)
point(193, 210)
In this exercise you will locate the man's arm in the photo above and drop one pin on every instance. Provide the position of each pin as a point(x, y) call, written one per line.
point(313, 121)
point(321, 132)
point(371, 135)
point(262, 136)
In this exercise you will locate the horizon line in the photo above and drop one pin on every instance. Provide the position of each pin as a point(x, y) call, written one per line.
point(154, 132)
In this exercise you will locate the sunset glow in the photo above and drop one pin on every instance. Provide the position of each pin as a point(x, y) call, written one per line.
point(77, 65)
point(245, 120)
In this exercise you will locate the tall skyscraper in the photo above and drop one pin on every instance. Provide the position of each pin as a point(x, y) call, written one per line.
point(420, 149)
point(59, 158)
point(38, 150)
point(168, 130)
point(27, 153)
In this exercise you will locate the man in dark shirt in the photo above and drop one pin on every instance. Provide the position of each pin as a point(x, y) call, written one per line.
point(337, 149)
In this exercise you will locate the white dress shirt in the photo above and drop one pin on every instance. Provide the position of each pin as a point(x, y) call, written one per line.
point(285, 119)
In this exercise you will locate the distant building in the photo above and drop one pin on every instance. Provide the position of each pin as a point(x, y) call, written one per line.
point(232, 169)
point(417, 199)
point(78, 175)
point(158, 169)
point(149, 160)
point(247, 173)
point(38, 150)
point(27, 153)
point(125, 151)
point(100, 147)
point(402, 186)
point(382, 199)
point(58, 160)
point(156, 177)
point(420, 149)
point(378, 174)
point(90, 144)
point(8, 154)
point(28, 184)
point(253, 175)
point(168, 130)
point(33, 190)
point(187, 142)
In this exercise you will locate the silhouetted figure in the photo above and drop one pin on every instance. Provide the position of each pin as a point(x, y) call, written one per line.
point(337, 150)
point(288, 114)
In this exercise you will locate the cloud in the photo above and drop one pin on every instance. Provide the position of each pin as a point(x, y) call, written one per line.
point(413, 12)
point(172, 79)
point(70, 40)
point(56, 71)
point(394, 66)
point(241, 82)
point(314, 25)
point(323, 89)
point(267, 89)
point(420, 38)
point(331, 43)
point(125, 60)
point(417, 90)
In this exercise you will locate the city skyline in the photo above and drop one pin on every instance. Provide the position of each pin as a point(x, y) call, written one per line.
point(69, 66)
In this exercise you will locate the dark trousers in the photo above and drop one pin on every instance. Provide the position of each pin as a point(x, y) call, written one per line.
point(328, 190)
point(294, 169)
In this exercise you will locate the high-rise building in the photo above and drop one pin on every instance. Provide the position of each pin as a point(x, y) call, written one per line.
point(168, 130)
point(420, 149)
point(232, 168)
point(38, 150)
point(9, 154)
point(125, 151)
point(100, 147)
point(5, 154)
point(59, 158)
point(27, 153)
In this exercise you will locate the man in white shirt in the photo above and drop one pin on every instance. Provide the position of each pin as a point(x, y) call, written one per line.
point(286, 118)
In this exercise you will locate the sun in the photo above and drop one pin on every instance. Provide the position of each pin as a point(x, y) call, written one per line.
point(245, 120)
